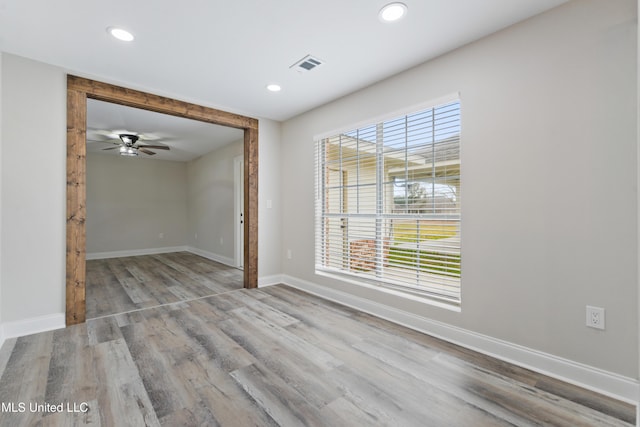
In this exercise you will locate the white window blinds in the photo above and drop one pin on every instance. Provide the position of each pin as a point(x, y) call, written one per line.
point(388, 203)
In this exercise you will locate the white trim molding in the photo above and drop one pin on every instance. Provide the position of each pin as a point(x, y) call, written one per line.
point(136, 252)
point(390, 115)
point(603, 382)
point(20, 328)
point(270, 280)
point(213, 257)
point(166, 250)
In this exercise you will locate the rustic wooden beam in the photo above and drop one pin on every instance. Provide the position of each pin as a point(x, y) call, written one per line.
point(251, 216)
point(78, 90)
point(76, 205)
point(146, 101)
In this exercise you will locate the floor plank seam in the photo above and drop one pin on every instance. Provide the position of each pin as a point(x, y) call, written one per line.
point(163, 305)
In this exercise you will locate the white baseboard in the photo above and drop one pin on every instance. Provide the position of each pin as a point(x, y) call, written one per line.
point(270, 280)
point(135, 252)
point(607, 383)
point(165, 250)
point(212, 256)
point(20, 328)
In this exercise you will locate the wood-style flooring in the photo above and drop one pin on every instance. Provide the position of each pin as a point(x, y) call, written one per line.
point(274, 356)
point(119, 285)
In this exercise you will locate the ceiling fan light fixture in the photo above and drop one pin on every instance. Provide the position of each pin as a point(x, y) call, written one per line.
point(273, 87)
point(120, 34)
point(128, 139)
point(131, 152)
point(392, 12)
point(128, 151)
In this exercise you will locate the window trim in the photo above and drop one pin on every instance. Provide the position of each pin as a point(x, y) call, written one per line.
point(434, 301)
point(402, 290)
point(454, 96)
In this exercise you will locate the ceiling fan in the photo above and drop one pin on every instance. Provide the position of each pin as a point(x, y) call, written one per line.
point(129, 146)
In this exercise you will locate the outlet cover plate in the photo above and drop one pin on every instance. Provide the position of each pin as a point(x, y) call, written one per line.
point(595, 317)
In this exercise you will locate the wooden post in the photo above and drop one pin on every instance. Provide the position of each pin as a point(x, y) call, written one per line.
point(76, 206)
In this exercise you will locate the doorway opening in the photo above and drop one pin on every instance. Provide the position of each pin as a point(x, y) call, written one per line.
point(78, 91)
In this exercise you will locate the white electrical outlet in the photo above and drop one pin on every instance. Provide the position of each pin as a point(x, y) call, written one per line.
point(595, 317)
point(221, 241)
point(288, 253)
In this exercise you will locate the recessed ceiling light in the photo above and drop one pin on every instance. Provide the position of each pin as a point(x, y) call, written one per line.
point(392, 12)
point(274, 87)
point(120, 34)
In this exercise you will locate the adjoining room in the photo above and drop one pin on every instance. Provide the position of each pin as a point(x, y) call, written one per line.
point(164, 209)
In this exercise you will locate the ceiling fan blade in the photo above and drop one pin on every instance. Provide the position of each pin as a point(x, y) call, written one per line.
point(148, 137)
point(100, 133)
point(111, 148)
point(151, 153)
point(157, 147)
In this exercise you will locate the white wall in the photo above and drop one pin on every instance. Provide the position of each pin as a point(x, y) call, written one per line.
point(33, 179)
point(211, 188)
point(270, 198)
point(132, 200)
point(211, 201)
point(549, 172)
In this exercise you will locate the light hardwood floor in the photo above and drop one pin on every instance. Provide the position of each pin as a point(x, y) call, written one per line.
point(119, 285)
point(275, 356)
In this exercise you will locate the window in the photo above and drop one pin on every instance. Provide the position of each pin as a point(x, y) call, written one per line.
point(388, 203)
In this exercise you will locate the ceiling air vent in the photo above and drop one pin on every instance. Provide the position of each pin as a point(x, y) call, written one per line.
point(307, 63)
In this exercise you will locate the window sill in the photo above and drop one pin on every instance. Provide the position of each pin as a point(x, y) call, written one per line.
point(390, 289)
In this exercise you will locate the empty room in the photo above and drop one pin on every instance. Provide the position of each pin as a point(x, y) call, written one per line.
point(416, 213)
point(155, 213)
